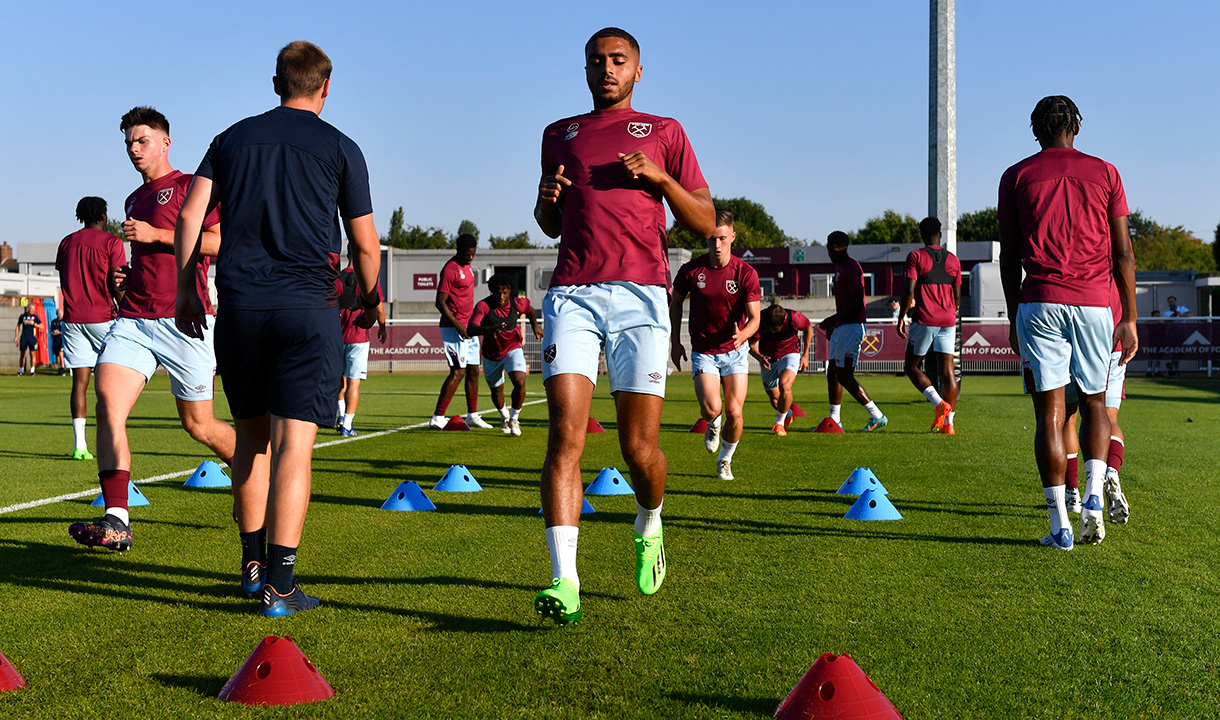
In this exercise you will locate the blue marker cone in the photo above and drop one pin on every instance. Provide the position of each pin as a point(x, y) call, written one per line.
point(609, 482)
point(458, 479)
point(585, 508)
point(872, 505)
point(860, 480)
point(406, 497)
point(209, 475)
point(135, 498)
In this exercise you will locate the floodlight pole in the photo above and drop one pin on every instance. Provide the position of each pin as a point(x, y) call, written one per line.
point(942, 121)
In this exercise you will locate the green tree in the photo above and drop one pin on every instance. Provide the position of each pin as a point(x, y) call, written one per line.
point(114, 227)
point(980, 226)
point(1158, 247)
point(414, 237)
point(1216, 247)
point(466, 227)
point(889, 228)
point(754, 225)
point(520, 240)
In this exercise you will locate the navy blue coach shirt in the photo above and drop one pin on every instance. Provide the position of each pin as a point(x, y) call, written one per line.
point(282, 176)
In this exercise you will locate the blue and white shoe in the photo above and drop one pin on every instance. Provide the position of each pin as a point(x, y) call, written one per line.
point(1092, 526)
point(876, 424)
point(252, 578)
point(1061, 540)
point(275, 605)
point(348, 432)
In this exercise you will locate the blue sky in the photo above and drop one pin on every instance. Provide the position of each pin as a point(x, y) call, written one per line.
point(817, 110)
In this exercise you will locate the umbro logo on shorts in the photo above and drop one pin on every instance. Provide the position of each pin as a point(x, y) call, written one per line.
point(654, 378)
point(548, 354)
point(201, 389)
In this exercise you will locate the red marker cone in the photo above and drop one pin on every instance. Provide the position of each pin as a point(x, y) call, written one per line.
point(10, 679)
point(836, 687)
point(699, 427)
point(276, 673)
point(828, 426)
point(456, 423)
point(797, 411)
point(595, 426)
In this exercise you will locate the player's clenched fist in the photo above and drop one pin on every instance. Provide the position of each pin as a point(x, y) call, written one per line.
point(638, 165)
point(550, 190)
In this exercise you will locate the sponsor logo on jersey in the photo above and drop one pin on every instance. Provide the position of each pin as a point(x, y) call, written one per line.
point(572, 131)
point(731, 286)
point(872, 343)
point(164, 195)
point(639, 129)
point(701, 280)
point(548, 354)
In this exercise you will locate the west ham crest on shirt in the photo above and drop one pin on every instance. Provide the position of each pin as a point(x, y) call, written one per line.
point(700, 281)
point(639, 129)
point(731, 286)
point(164, 195)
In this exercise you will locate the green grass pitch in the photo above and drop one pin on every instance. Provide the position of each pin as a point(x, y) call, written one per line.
point(954, 611)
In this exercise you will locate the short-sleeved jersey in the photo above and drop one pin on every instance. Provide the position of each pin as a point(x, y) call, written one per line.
point(458, 281)
point(787, 340)
point(497, 345)
point(1063, 201)
point(849, 281)
point(718, 300)
point(84, 261)
point(28, 323)
point(353, 333)
point(613, 226)
point(283, 177)
point(152, 284)
point(934, 296)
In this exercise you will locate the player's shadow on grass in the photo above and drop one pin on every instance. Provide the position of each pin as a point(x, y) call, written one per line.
point(749, 706)
point(203, 685)
point(857, 530)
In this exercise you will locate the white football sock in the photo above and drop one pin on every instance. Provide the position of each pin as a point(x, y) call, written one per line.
point(834, 412)
point(780, 417)
point(648, 522)
point(347, 420)
point(932, 396)
point(78, 429)
point(951, 414)
point(120, 513)
point(726, 450)
point(561, 543)
point(342, 406)
point(514, 413)
point(440, 418)
point(1095, 477)
point(873, 412)
point(1056, 507)
point(715, 423)
point(503, 412)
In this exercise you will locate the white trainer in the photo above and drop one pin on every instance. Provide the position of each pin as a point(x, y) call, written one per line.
point(711, 438)
point(506, 426)
point(438, 422)
point(1071, 497)
point(1092, 526)
point(474, 421)
point(516, 427)
point(1120, 511)
point(724, 470)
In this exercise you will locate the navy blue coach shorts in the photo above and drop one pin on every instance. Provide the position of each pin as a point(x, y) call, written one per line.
point(287, 362)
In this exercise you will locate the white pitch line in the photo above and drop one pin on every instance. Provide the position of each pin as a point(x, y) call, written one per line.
point(170, 476)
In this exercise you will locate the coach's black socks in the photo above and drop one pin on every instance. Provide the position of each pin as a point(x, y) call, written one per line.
point(254, 547)
point(280, 564)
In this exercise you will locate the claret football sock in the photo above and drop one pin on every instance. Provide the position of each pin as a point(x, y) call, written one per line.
point(1072, 478)
point(1115, 459)
point(932, 396)
point(114, 492)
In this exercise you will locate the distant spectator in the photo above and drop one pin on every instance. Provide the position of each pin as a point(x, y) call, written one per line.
point(1174, 310)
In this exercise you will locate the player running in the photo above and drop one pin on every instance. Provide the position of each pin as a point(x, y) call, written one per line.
point(781, 358)
point(355, 347)
point(724, 313)
point(604, 174)
point(25, 337)
point(934, 287)
point(1063, 219)
point(845, 332)
point(144, 335)
point(495, 318)
point(85, 260)
point(455, 301)
point(282, 180)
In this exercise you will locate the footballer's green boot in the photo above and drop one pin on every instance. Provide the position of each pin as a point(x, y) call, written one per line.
point(650, 561)
point(560, 602)
point(81, 454)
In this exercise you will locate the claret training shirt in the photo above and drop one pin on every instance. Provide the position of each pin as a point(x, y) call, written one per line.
point(614, 226)
point(934, 305)
point(84, 261)
point(282, 175)
point(773, 349)
point(499, 344)
point(1063, 201)
point(152, 284)
point(718, 299)
point(458, 281)
point(849, 281)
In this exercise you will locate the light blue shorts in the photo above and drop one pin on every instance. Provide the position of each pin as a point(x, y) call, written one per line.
point(922, 338)
point(82, 343)
point(1114, 385)
point(1065, 343)
point(459, 351)
point(143, 343)
point(791, 361)
point(356, 360)
point(495, 370)
point(630, 321)
point(845, 342)
point(733, 362)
